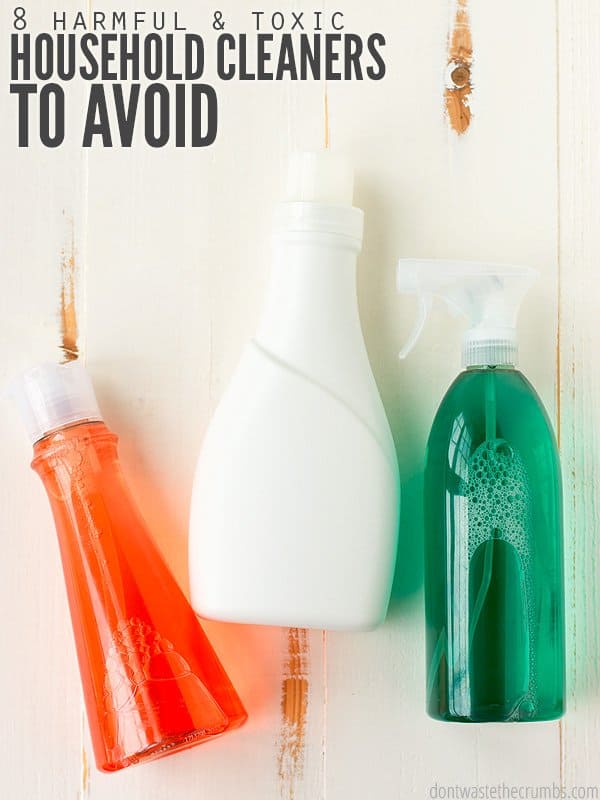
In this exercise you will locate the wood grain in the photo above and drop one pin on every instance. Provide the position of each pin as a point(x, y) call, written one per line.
point(460, 60)
point(295, 693)
point(42, 207)
point(69, 327)
point(579, 175)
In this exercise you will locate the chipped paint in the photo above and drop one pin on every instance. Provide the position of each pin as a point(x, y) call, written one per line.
point(85, 773)
point(460, 60)
point(294, 709)
point(68, 310)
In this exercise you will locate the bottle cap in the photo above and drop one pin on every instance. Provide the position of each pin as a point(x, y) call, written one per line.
point(51, 396)
point(318, 198)
point(320, 177)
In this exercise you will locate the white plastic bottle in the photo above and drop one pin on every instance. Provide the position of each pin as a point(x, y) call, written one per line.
point(296, 498)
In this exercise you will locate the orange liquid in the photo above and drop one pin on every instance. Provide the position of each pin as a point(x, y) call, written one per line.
point(151, 681)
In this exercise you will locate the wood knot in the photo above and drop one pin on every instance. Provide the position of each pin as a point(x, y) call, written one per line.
point(460, 76)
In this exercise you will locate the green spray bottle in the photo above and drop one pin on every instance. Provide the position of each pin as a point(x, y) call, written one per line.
point(494, 597)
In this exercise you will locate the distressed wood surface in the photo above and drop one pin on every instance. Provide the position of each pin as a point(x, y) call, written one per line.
point(152, 265)
point(579, 196)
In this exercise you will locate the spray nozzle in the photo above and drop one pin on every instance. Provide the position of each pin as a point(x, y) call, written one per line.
point(489, 295)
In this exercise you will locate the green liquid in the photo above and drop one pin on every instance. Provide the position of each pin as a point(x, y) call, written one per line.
point(493, 554)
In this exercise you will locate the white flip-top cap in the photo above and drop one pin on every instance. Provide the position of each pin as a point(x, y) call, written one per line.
point(51, 396)
point(318, 197)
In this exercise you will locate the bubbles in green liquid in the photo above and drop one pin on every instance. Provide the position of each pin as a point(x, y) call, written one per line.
point(499, 508)
point(498, 497)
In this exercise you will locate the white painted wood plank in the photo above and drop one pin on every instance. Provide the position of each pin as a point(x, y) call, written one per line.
point(42, 208)
point(579, 90)
point(489, 194)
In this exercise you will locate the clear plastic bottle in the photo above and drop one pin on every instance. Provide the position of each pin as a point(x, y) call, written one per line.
point(494, 596)
point(152, 683)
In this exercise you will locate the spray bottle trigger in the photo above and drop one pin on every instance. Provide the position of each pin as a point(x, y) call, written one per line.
point(425, 301)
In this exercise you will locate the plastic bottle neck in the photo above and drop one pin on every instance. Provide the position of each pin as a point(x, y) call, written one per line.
point(481, 349)
point(70, 446)
point(490, 368)
point(79, 427)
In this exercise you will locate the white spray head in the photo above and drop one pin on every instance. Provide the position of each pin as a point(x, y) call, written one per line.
point(488, 295)
point(318, 197)
point(51, 396)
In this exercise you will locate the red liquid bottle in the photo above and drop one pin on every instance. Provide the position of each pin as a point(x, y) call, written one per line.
point(151, 681)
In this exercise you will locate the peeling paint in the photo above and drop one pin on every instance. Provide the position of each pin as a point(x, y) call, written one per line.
point(294, 709)
point(68, 311)
point(460, 60)
point(85, 773)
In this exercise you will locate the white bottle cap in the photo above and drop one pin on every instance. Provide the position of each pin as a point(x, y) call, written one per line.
point(320, 177)
point(494, 347)
point(318, 198)
point(51, 396)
